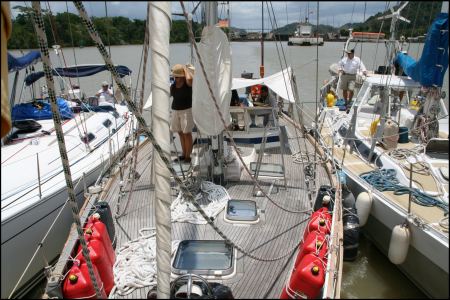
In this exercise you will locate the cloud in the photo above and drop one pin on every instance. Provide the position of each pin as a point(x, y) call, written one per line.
point(246, 15)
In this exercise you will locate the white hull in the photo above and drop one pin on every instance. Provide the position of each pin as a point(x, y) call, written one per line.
point(22, 233)
point(26, 217)
point(427, 262)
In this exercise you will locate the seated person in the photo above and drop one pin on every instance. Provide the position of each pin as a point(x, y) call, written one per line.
point(263, 100)
point(106, 92)
point(235, 100)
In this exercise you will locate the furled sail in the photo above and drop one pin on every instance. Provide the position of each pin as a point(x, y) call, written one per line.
point(432, 65)
point(77, 71)
point(215, 53)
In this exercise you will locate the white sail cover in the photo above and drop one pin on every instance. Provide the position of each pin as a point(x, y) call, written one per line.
point(215, 52)
point(279, 83)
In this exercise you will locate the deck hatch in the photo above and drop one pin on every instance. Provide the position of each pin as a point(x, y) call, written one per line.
point(242, 210)
point(204, 257)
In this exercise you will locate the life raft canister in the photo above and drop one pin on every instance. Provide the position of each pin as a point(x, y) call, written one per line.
point(78, 285)
point(99, 231)
point(316, 243)
point(306, 280)
point(100, 259)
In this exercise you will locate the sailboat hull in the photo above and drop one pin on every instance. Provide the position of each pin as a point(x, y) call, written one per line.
point(26, 217)
point(22, 233)
point(427, 261)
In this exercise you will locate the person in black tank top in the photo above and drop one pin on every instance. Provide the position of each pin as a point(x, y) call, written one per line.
point(182, 121)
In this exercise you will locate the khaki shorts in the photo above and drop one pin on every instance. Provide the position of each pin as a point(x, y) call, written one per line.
point(182, 121)
point(347, 82)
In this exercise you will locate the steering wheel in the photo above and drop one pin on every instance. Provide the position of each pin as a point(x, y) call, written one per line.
point(177, 283)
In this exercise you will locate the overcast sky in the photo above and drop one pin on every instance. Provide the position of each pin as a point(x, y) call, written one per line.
point(245, 15)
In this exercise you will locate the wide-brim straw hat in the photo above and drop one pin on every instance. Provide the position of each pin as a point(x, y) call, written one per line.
point(191, 69)
point(178, 71)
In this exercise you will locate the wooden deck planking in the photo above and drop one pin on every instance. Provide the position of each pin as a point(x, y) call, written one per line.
point(276, 233)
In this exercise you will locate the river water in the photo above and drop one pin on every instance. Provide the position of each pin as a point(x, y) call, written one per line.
point(371, 275)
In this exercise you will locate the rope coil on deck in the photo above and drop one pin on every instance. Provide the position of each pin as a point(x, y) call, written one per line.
point(386, 180)
point(135, 265)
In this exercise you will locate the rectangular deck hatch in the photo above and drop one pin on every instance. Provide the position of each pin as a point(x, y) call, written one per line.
point(267, 169)
point(242, 210)
point(203, 258)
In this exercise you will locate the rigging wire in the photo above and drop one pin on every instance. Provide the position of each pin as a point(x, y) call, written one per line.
point(70, 86)
point(110, 55)
point(353, 10)
point(281, 64)
point(109, 42)
point(404, 27)
point(223, 121)
point(317, 99)
point(379, 32)
point(136, 135)
point(73, 45)
point(414, 28)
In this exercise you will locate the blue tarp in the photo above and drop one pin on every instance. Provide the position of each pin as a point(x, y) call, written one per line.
point(19, 63)
point(40, 110)
point(432, 65)
point(77, 71)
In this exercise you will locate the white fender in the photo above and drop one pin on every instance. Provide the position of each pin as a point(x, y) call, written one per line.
point(363, 206)
point(95, 189)
point(399, 244)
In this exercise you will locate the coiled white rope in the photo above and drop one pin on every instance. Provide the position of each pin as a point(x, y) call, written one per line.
point(183, 211)
point(135, 265)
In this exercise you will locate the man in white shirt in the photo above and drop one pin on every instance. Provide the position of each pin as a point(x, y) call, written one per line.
point(105, 93)
point(348, 67)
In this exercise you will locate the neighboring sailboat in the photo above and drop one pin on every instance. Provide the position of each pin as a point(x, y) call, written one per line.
point(34, 193)
point(393, 148)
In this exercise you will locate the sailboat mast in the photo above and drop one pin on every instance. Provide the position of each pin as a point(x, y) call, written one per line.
point(261, 68)
point(160, 16)
point(211, 19)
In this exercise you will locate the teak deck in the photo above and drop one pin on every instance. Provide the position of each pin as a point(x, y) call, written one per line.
point(276, 233)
